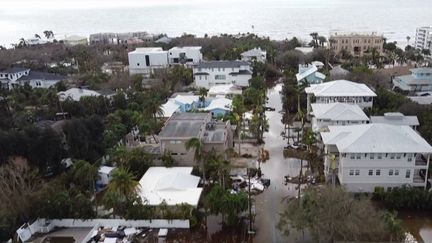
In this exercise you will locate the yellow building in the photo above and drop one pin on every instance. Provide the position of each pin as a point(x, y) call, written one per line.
point(356, 44)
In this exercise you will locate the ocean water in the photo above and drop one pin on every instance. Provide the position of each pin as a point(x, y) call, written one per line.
point(278, 19)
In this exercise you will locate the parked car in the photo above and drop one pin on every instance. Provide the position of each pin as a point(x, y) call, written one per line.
point(268, 108)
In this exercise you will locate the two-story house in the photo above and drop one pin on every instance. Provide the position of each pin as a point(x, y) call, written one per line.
point(145, 60)
point(329, 114)
point(13, 77)
point(181, 127)
point(420, 80)
point(212, 73)
point(255, 54)
point(363, 157)
point(185, 55)
point(341, 91)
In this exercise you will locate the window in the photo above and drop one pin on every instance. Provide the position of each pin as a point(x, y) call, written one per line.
point(396, 172)
point(357, 172)
point(138, 64)
point(390, 172)
point(220, 77)
point(358, 156)
point(370, 172)
point(351, 172)
point(378, 172)
point(398, 156)
point(352, 156)
point(379, 156)
point(392, 156)
point(408, 174)
point(410, 157)
point(372, 156)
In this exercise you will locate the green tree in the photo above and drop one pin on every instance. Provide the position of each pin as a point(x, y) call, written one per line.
point(198, 147)
point(123, 184)
point(331, 214)
point(84, 176)
point(202, 92)
point(393, 225)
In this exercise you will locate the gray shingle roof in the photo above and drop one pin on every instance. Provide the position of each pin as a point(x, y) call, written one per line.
point(221, 64)
point(14, 70)
point(42, 76)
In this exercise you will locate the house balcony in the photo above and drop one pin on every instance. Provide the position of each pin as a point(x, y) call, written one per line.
point(421, 160)
point(419, 176)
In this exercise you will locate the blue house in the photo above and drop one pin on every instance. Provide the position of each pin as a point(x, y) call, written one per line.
point(419, 80)
point(219, 107)
point(309, 73)
point(187, 102)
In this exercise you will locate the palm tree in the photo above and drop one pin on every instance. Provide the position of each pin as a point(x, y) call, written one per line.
point(123, 183)
point(314, 36)
point(408, 39)
point(37, 36)
point(153, 107)
point(238, 111)
point(48, 34)
point(322, 40)
point(84, 175)
point(198, 147)
point(202, 92)
point(22, 42)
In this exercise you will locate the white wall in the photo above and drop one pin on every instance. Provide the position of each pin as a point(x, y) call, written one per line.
point(367, 183)
point(202, 81)
point(138, 65)
point(194, 54)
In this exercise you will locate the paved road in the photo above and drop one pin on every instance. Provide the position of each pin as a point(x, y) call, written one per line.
point(269, 204)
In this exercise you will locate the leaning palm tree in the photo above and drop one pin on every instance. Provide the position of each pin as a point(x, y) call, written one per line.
point(198, 147)
point(123, 183)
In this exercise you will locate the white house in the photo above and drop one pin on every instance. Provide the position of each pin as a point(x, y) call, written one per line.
point(74, 40)
point(185, 55)
point(13, 77)
point(145, 60)
point(105, 175)
point(363, 157)
point(255, 54)
point(76, 94)
point(224, 90)
point(309, 73)
point(342, 91)
point(35, 41)
point(174, 185)
point(324, 115)
point(396, 118)
point(209, 74)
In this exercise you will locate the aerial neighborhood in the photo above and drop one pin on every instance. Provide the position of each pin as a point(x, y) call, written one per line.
point(136, 137)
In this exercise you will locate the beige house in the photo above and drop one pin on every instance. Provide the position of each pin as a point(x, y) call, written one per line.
point(182, 126)
point(356, 44)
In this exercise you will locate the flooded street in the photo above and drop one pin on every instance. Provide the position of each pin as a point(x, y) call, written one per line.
point(270, 203)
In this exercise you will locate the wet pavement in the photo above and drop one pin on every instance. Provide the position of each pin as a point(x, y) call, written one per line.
point(270, 203)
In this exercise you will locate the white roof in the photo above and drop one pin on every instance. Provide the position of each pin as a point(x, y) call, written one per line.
point(169, 108)
point(179, 48)
point(340, 88)
point(75, 38)
point(317, 63)
point(396, 118)
point(76, 94)
point(220, 103)
point(174, 185)
point(186, 99)
point(106, 169)
point(224, 89)
point(148, 50)
point(311, 69)
point(375, 138)
point(305, 50)
point(255, 52)
point(339, 112)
